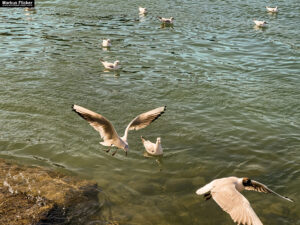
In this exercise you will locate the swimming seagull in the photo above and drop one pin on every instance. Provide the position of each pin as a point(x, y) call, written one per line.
point(260, 23)
point(226, 192)
point(108, 132)
point(106, 43)
point(111, 66)
point(166, 20)
point(143, 10)
point(29, 9)
point(272, 10)
point(153, 148)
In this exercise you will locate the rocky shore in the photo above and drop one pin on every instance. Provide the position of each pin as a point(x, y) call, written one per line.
point(36, 196)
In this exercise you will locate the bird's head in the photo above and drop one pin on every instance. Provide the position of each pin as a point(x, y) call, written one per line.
point(126, 148)
point(158, 139)
point(117, 62)
point(172, 18)
point(247, 181)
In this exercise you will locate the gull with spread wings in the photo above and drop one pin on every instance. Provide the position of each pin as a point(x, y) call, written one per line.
point(108, 132)
point(226, 193)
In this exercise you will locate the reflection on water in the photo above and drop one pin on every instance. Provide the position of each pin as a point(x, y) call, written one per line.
point(232, 95)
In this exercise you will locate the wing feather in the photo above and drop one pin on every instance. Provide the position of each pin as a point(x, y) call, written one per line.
point(235, 204)
point(259, 187)
point(98, 122)
point(145, 119)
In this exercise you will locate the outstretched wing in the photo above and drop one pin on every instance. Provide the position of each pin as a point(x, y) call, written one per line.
point(235, 204)
point(259, 187)
point(98, 122)
point(144, 119)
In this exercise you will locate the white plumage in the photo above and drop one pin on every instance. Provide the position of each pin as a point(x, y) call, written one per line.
point(272, 10)
point(106, 43)
point(260, 23)
point(108, 132)
point(143, 10)
point(166, 20)
point(226, 193)
point(111, 66)
point(153, 148)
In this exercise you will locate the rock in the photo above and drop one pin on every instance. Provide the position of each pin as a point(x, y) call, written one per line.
point(36, 196)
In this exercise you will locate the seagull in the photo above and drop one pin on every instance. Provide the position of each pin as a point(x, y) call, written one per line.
point(272, 10)
point(260, 23)
point(226, 192)
point(153, 148)
point(106, 43)
point(143, 10)
point(29, 9)
point(166, 20)
point(108, 132)
point(111, 66)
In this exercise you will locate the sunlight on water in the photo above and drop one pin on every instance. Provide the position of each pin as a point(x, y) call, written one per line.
point(231, 90)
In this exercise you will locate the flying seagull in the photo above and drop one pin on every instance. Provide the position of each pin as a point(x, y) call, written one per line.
point(108, 132)
point(153, 148)
point(226, 192)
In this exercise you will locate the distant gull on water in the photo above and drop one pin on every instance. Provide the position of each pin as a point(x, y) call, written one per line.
point(153, 148)
point(106, 43)
point(260, 23)
point(111, 66)
point(143, 10)
point(272, 10)
point(166, 20)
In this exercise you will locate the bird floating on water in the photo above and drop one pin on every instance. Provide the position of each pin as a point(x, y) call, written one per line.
point(166, 20)
point(143, 10)
point(260, 23)
point(108, 132)
point(272, 10)
point(153, 148)
point(29, 9)
point(226, 193)
point(111, 66)
point(106, 43)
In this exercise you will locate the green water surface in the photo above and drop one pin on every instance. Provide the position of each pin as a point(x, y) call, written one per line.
point(231, 90)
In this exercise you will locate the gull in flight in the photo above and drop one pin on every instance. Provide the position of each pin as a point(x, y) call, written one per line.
point(226, 192)
point(166, 20)
point(272, 10)
point(143, 10)
point(108, 132)
point(153, 148)
point(111, 66)
point(106, 43)
point(260, 23)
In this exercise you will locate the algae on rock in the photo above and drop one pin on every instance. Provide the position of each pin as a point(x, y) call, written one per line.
point(34, 195)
